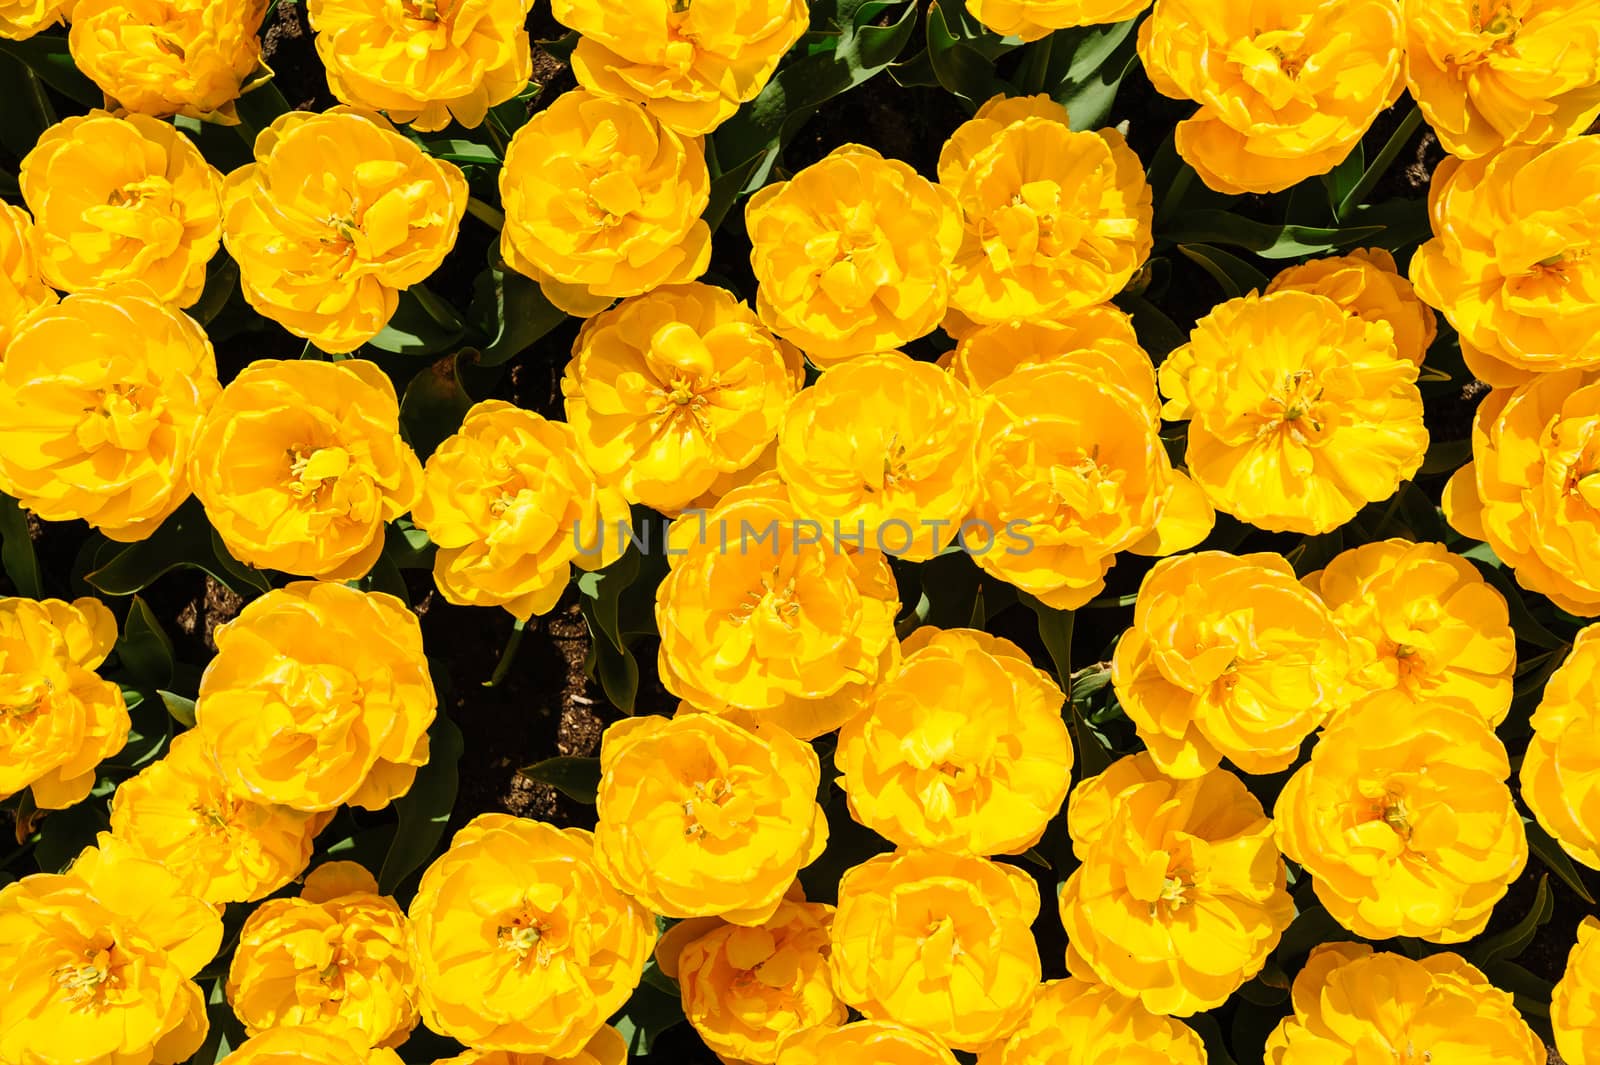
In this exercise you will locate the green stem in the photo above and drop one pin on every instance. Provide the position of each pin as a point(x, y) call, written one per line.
point(507, 655)
point(1036, 68)
point(489, 216)
point(1380, 166)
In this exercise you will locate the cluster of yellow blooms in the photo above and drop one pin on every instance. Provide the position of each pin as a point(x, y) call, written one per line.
point(1375, 684)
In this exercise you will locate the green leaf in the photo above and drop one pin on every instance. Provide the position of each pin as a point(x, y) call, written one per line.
point(602, 591)
point(259, 108)
point(423, 324)
point(726, 187)
point(616, 670)
point(1343, 179)
point(861, 52)
point(222, 284)
point(47, 56)
point(962, 61)
point(1509, 945)
point(150, 727)
point(1210, 1033)
point(29, 112)
point(425, 809)
point(1158, 334)
point(1445, 456)
point(63, 834)
point(576, 778)
point(434, 404)
point(1096, 60)
point(1555, 859)
point(1370, 176)
point(224, 1033)
point(512, 311)
point(1266, 240)
point(1055, 630)
point(1236, 276)
point(646, 1015)
point(180, 707)
point(1531, 993)
point(144, 648)
point(455, 150)
point(17, 556)
point(184, 539)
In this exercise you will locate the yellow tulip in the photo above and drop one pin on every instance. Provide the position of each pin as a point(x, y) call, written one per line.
point(1056, 221)
point(748, 989)
point(1075, 1022)
point(963, 750)
point(1575, 1005)
point(178, 811)
point(864, 1043)
point(1071, 472)
point(1511, 264)
point(319, 695)
point(852, 254)
point(1229, 656)
point(425, 62)
point(522, 945)
point(1530, 490)
point(1488, 73)
point(937, 942)
point(1300, 414)
point(122, 200)
point(1350, 1003)
point(300, 463)
point(692, 64)
point(101, 961)
point(603, 201)
point(1421, 622)
point(513, 506)
point(1033, 19)
point(1286, 88)
point(170, 57)
point(1560, 776)
point(101, 400)
point(883, 447)
point(21, 288)
point(761, 612)
point(297, 1045)
point(674, 390)
point(337, 215)
point(1180, 896)
point(58, 720)
point(1404, 820)
point(702, 818)
point(335, 959)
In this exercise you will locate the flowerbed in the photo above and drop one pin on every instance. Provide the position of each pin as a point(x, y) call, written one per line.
point(1016, 532)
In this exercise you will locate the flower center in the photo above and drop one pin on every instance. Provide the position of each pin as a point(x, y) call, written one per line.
point(1392, 811)
point(85, 984)
point(136, 192)
point(707, 793)
point(531, 937)
point(311, 469)
point(1297, 409)
point(774, 594)
point(423, 10)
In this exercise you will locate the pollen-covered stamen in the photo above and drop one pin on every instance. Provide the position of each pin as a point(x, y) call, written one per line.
point(86, 983)
point(1392, 811)
point(527, 938)
point(775, 593)
point(311, 468)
